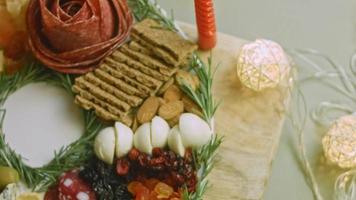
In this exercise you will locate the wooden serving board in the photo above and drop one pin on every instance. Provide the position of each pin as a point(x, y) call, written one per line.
point(251, 123)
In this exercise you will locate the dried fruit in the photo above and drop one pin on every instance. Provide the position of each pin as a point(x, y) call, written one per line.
point(144, 194)
point(134, 186)
point(133, 154)
point(138, 190)
point(163, 190)
point(8, 28)
point(148, 110)
point(151, 183)
point(16, 48)
point(163, 166)
point(171, 109)
point(154, 196)
point(122, 167)
point(104, 180)
point(173, 93)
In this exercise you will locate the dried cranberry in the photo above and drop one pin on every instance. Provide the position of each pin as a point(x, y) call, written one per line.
point(179, 179)
point(122, 167)
point(157, 161)
point(143, 160)
point(157, 152)
point(133, 154)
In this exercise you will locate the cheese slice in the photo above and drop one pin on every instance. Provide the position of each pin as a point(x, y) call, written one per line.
point(10, 192)
point(29, 196)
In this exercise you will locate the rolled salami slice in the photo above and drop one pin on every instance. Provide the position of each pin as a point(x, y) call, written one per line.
point(74, 36)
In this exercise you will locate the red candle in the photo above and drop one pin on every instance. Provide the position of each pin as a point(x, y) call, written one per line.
point(205, 19)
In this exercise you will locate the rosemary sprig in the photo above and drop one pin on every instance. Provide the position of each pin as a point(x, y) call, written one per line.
point(143, 9)
point(203, 96)
point(204, 159)
point(67, 158)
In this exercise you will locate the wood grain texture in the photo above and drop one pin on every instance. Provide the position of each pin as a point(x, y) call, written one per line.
point(251, 123)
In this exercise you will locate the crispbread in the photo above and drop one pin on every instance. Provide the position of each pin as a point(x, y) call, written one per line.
point(102, 112)
point(148, 61)
point(137, 47)
point(124, 83)
point(164, 39)
point(142, 78)
point(142, 45)
point(121, 57)
point(131, 100)
point(101, 94)
point(130, 89)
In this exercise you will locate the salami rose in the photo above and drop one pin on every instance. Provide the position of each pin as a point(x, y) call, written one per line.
point(73, 36)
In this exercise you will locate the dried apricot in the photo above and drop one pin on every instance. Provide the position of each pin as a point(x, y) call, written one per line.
point(163, 190)
point(154, 196)
point(134, 186)
point(151, 183)
point(142, 194)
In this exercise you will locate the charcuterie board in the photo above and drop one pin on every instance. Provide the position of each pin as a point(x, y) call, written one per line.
point(251, 123)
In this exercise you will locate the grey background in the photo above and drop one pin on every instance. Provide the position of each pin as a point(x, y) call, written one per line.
point(325, 25)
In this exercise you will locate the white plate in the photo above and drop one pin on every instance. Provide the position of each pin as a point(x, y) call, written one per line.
point(39, 120)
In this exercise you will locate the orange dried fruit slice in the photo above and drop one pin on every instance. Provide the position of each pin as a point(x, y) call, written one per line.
point(163, 190)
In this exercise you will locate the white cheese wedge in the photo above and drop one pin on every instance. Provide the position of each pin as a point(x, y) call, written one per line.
point(195, 131)
point(159, 132)
point(29, 196)
point(142, 138)
point(124, 139)
point(104, 145)
point(175, 141)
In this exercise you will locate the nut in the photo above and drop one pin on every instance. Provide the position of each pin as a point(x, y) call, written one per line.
point(165, 86)
point(171, 109)
point(173, 93)
point(148, 110)
point(190, 106)
point(161, 101)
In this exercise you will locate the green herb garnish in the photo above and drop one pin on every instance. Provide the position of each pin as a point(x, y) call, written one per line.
point(67, 158)
point(203, 95)
point(204, 157)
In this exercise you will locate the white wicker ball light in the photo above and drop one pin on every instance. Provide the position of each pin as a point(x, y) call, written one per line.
point(340, 142)
point(262, 64)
